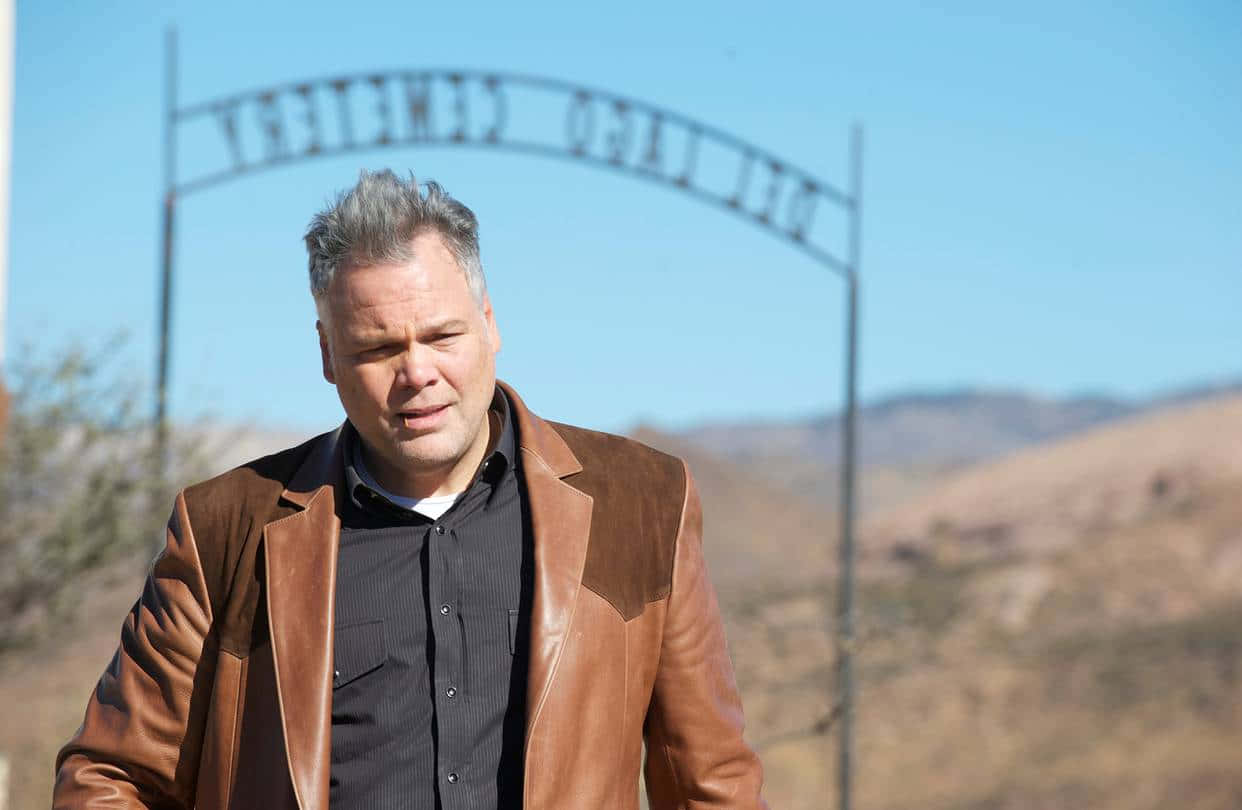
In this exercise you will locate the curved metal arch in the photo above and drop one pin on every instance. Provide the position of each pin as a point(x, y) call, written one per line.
point(637, 144)
point(807, 192)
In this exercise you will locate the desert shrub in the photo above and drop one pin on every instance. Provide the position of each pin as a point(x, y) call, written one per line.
point(78, 488)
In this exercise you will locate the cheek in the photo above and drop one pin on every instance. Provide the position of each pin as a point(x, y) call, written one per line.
point(472, 373)
point(366, 384)
point(484, 356)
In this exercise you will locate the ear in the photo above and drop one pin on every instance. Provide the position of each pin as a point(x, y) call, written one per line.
point(325, 352)
point(493, 332)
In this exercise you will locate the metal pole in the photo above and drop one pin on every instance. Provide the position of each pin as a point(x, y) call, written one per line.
point(166, 275)
point(845, 587)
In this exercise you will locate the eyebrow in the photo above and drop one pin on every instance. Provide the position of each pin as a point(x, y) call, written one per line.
point(451, 325)
point(373, 333)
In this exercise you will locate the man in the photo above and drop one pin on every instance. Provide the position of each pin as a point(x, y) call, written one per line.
point(445, 603)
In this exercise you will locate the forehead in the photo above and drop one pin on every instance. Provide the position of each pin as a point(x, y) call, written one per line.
point(428, 285)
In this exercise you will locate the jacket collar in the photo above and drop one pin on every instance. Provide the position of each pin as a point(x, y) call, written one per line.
point(539, 439)
point(324, 465)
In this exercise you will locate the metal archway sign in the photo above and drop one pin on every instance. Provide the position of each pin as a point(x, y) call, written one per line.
point(235, 136)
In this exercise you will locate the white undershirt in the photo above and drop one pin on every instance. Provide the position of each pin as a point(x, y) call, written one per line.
point(432, 506)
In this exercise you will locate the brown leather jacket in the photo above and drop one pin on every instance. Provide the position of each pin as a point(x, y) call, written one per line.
point(221, 690)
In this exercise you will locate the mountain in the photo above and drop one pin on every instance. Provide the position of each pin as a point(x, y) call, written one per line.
point(904, 441)
point(919, 428)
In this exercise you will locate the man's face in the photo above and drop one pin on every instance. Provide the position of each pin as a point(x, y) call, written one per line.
point(412, 356)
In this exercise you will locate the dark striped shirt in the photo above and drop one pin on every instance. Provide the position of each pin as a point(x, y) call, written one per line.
point(428, 702)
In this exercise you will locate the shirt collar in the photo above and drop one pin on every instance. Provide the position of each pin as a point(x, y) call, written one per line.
point(505, 453)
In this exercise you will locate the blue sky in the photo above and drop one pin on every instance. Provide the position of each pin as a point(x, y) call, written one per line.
point(1051, 200)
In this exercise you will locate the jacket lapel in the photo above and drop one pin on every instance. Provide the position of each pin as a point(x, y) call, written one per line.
point(560, 518)
point(300, 555)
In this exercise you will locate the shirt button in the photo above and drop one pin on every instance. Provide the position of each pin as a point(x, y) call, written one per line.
point(439, 530)
point(444, 610)
point(451, 692)
point(452, 778)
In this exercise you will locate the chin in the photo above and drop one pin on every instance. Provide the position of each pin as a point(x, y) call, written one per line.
point(430, 454)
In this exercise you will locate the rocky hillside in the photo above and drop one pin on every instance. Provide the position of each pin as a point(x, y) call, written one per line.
point(1058, 629)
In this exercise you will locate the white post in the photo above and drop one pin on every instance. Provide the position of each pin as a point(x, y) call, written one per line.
point(4, 782)
point(7, 36)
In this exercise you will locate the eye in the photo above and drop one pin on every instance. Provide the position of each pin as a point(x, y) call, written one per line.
point(378, 352)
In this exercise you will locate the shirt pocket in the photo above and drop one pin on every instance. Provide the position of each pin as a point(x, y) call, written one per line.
point(358, 649)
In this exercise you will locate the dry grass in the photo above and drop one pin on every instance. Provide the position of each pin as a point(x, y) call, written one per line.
point(44, 690)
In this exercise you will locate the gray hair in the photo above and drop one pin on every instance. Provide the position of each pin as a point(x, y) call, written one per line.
point(375, 221)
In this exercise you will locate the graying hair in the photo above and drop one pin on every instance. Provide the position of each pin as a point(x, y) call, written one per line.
point(375, 221)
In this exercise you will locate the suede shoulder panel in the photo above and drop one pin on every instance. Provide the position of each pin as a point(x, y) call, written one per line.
point(227, 515)
point(639, 493)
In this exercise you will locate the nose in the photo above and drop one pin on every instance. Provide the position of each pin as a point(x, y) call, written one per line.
point(416, 369)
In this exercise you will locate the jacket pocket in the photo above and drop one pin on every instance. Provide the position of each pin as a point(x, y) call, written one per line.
point(357, 650)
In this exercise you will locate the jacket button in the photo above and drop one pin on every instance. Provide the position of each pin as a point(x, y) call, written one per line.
point(444, 610)
point(451, 691)
point(439, 530)
point(452, 778)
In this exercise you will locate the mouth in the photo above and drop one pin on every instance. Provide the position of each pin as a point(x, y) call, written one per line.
point(421, 418)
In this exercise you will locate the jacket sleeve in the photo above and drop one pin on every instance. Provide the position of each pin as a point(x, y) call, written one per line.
point(696, 757)
point(138, 746)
